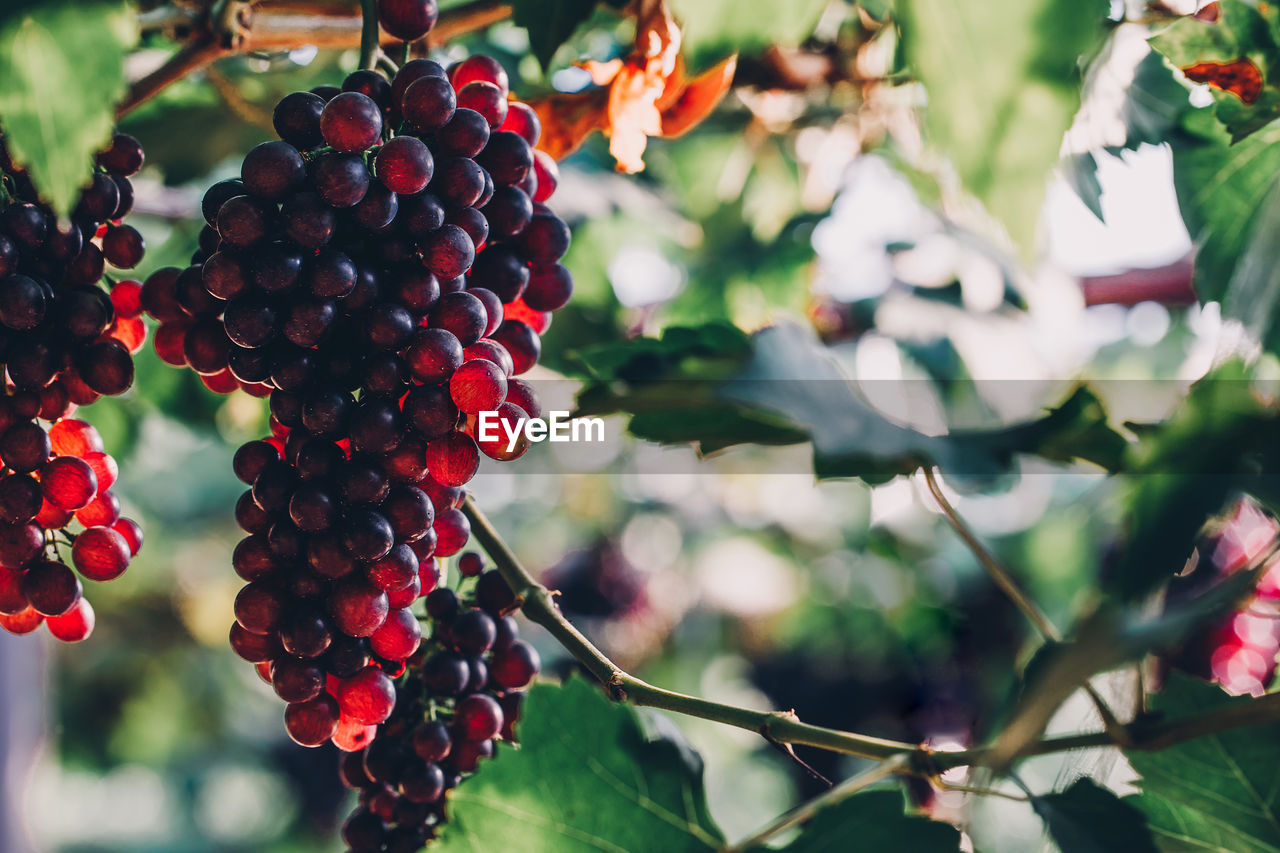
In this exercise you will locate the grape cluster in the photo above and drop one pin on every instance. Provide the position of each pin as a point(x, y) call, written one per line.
point(382, 273)
point(65, 342)
point(1239, 648)
point(464, 695)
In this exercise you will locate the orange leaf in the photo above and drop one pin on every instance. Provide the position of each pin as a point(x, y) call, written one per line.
point(568, 119)
point(699, 98)
point(676, 81)
point(1240, 77)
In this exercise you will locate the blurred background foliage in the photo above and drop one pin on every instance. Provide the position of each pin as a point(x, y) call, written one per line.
point(812, 195)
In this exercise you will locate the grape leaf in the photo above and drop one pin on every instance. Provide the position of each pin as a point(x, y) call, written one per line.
point(1217, 792)
point(878, 821)
point(1003, 83)
point(1154, 103)
point(716, 387)
point(1088, 819)
point(1229, 196)
point(586, 778)
point(550, 23)
point(1237, 56)
point(61, 75)
point(713, 29)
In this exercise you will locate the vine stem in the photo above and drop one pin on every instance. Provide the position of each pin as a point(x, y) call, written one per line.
point(369, 48)
point(539, 605)
point(998, 574)
point(1003, 579)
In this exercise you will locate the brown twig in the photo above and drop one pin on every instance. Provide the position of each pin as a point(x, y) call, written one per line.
point(286, 25)
point(191, 57)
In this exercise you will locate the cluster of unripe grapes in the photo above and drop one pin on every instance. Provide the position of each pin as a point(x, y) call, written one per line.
point(65, 341)
point(382, 273)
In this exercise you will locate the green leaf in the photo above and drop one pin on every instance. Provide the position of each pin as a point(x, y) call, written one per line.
point(586, 778)
point(1217, 792)
point(1244, 33)
point(550, 23)
point(878, 821)
point(1003, 82)
point(61, 75)
point(1088, 819)
point(1081, 171)
point(717, 388)
point(791, 375)
point(1230, 202)
point(1153, 106)
point(713, 29)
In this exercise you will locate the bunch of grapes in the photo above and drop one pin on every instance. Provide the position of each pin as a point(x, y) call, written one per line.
point(463, 698)
point(1238, 650)
point(64, 341)
point(382, 273)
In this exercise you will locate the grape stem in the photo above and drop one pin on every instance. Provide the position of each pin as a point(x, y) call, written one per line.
point(281, 25)
point(369, 48)
point(538, 603)
point(1146, 733)
point(1004, 579)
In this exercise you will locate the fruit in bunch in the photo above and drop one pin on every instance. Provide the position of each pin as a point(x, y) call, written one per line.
point(450, 713)
point(359, 275)
point(407, 19)
point(1237, 649)
point(65, 341)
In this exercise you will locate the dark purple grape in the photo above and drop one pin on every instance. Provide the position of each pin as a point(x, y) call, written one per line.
point(341, 179)
point(371, 84)
point(408, 20)
point(464, 135)
point(404, 165)
point(448, 251)
point(507, 157)
point(308, 220)
point(297, 119)
point(428, 103)
point(351, 122)
point(273, 170)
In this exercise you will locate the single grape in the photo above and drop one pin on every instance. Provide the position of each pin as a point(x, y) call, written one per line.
point(408, 20)
point(351, 122)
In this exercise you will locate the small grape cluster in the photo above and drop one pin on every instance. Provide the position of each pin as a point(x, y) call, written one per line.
point(465, 696)
point(382, 289)
point(64, 342)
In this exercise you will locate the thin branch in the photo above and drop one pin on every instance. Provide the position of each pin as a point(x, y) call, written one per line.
point(1004, 580)
point(192, 57)
point(539, 605)
point(1144, 734)
point(998, 574)
point(804, 812)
